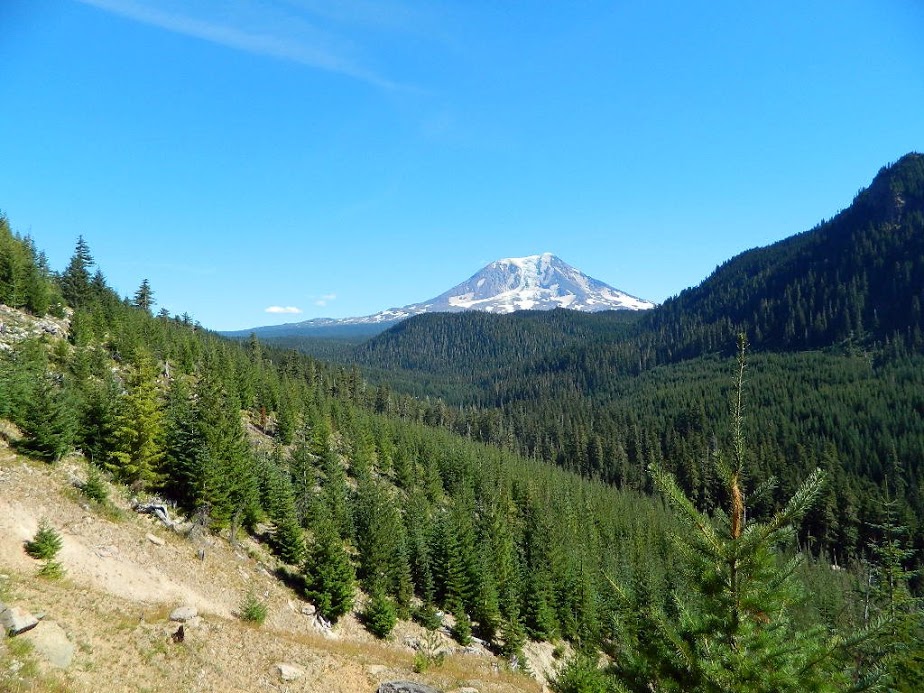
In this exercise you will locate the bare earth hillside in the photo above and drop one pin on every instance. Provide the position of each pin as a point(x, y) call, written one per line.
point(126, 572)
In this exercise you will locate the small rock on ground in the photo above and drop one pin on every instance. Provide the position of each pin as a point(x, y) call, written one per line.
point(16, 620)
point(155, 540)
point(289, 672)
point(184, 613)
point(405, 687)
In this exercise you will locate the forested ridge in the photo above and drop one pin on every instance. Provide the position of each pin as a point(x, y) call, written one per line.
point(365, 488)
point(834, 320)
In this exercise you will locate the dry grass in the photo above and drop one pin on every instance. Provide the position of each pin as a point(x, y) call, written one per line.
point(116, 598)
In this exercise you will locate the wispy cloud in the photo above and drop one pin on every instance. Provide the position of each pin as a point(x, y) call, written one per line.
point(283, 310)
point(325, 299)
point(260, 28)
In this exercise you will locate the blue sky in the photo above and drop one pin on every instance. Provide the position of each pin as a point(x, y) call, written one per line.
point(346, 157)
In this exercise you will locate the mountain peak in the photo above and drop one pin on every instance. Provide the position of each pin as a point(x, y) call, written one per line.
point(531, 282)
point(895, 186)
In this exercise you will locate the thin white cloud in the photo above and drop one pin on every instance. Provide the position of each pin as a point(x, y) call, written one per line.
point(275, 34)
point(325, 299)
point(283, 309)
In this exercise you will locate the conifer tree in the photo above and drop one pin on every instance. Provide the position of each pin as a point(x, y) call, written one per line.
point(486, 601)
point(24, 276)
point(380, 615)
point(99, 407)
point(303, 473)
point(50, 421)
point(329, 575)
point(731, 628)
point(334, 492)
point(901, 637)
point(22, 371)
point(279, 503)
point(185, 447)
point(227, 484)
point(137, 447)
point(144, 297)
point(538, 614)
point(75, 281)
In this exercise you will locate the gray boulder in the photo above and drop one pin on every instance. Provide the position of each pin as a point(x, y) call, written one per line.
point(51, 642)
point(16, 620)
point(405, 687)
point(184, 613)
point(289, 672)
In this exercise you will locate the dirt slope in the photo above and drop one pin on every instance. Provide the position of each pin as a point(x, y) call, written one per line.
point(120, 587)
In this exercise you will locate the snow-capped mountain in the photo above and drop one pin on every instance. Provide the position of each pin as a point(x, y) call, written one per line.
point(535, 282)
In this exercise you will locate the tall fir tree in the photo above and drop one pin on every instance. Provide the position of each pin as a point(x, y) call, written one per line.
point(137, 445)
point(279, 502)
point(329, 575)
point(75, 280)
point(50, 421)
point(144, 297)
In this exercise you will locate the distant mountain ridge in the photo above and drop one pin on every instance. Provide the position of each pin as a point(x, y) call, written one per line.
point(534, 282)
point(854, 281)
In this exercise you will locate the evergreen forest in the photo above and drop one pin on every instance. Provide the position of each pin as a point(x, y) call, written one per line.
point(721, 495)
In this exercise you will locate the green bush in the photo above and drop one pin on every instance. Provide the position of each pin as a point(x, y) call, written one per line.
point(45, 544)
point(51, 570)
point(252, 609)
point(380, 615)
point(94, 487)
point(462, 630)
point(580, 674)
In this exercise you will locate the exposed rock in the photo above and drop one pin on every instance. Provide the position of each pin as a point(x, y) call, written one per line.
point(106, 551)
point(184, 613)
point(155, 540)
point(289, 672)
point(405, 687)
point(16, 620)
point(51, 642)
point(376, 669)
point(159, 510)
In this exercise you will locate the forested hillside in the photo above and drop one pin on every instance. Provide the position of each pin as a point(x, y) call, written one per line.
point(365, 489)
point(237, 434)
point(858, 278)
point(834, 319)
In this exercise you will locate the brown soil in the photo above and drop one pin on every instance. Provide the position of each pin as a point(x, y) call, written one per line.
point(120, 587)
